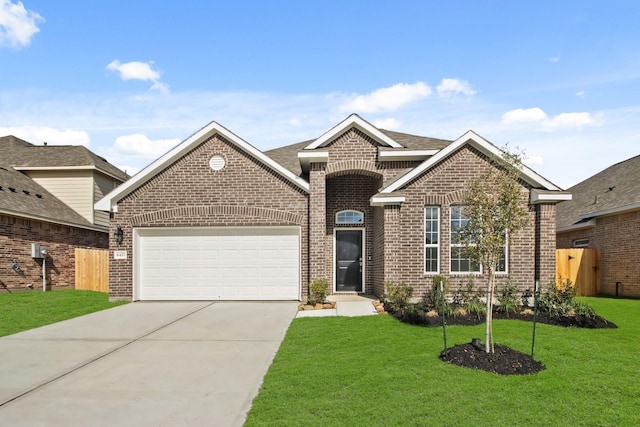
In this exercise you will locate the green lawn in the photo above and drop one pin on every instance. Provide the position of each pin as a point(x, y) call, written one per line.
point(376, 371)
point(28, 310)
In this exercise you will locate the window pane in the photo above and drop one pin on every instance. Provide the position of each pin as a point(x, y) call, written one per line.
point(431, 238)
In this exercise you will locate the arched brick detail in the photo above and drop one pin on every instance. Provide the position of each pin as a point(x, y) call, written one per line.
point(216, 210)
point(456, 197)
point(358, 166)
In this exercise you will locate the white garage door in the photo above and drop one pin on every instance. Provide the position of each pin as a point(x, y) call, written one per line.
point(227, 263)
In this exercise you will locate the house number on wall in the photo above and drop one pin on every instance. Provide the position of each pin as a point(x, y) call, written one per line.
point(119, 254)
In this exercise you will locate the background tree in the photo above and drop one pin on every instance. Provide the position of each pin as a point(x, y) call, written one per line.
point(496, 206)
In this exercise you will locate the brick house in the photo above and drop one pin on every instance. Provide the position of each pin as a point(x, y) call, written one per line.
point(46, 197)
point(605, 214)
point(217, 219)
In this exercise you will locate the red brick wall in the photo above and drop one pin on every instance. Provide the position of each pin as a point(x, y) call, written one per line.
point(190, 193)
point(16, 237)
point(444, 186)
point(617, 238)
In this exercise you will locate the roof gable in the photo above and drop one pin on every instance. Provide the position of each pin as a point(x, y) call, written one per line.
point(110, 200)
point(615, 189)
point(353, 121)
point(481, 144)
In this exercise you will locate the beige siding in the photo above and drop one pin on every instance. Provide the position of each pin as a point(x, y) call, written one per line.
point(101, 186)
point(75, 188)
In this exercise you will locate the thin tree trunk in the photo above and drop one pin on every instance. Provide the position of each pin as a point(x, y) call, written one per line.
point(488, 345)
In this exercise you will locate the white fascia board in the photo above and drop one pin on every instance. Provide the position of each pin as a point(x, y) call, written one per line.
point(579, 226)
point(67, 168)
point(611, 211)
point(475, 140)
point(308, 157)
point(109, 202)
point(383, 200)
point(389, 156)
point(538, 196)
point(353, 121)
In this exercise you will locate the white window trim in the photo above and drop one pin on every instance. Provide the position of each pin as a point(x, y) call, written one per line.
point(437, 246)
point(349, 223)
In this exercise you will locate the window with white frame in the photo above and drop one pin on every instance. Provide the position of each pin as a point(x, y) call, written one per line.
point(432, 239)
point(461, 262)
point(349, 217)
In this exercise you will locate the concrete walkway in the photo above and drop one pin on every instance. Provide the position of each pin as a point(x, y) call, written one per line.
point(347, 305)
point(142, 364)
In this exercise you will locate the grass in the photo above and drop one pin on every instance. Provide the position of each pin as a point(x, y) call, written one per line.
point(28, 310)
point(376, 371)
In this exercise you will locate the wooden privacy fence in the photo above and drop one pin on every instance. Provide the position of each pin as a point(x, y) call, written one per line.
point(582, 267)
point(92, 269)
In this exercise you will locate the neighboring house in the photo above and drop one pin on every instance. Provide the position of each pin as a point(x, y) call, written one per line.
point(605, 214)
point(217, 219)
point(47, 194)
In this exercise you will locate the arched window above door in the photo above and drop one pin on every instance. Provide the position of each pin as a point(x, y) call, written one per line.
point(349, 217)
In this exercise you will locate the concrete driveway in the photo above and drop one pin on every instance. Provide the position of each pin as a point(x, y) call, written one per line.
point(142, 364)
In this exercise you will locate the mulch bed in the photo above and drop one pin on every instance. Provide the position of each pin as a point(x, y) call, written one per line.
point(505, 360)
point(421, 318)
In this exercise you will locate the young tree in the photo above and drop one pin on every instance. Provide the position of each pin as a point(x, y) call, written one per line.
point(497, 209)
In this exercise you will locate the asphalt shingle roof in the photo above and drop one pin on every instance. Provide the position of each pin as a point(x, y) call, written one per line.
point(615, 187)
point(287, 156)
point(21, 154)
point(20, 195)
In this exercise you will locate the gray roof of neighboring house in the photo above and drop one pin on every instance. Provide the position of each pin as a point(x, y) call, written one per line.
point(22, 196)
point(21, 154)
point(287, 156)
point(614, 188)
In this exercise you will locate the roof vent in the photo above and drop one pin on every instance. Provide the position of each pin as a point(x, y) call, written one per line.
point(25, 192)
point(39, 196)
point(13, 190)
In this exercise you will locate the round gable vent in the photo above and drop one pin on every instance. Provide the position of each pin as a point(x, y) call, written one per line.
point(217, 163)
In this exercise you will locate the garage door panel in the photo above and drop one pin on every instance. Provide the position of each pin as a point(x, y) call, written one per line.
point(249, 263)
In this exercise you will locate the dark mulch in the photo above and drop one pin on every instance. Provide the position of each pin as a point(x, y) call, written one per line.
point(505, 360)
point(421, 318)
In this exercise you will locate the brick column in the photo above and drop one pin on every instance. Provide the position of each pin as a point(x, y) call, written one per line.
point(317, 223)
point(545, 243)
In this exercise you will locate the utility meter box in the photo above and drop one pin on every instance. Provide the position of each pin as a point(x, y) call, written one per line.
point(37, 251)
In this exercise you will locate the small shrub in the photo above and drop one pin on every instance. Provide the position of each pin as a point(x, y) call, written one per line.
point(559, 300)
point(435, 298)
point(508, 301)
point(472, 300)
point(318, 291)
point(398, 296)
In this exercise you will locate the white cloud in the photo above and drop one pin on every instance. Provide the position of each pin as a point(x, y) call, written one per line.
point(520, 115)
point(389, 123)
point(38, 135)
point(554, 58)
point(571, 121)
point(140, 146)
point(387, 99)
point(17, 24)
point(137, 70)
point(451, 88)
point(561, 121)
point(580, 93)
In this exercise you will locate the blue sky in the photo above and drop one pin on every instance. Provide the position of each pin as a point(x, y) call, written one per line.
point(130, 79)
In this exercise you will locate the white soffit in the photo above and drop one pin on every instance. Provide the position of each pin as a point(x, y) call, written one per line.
point(110, 201)
point(358, 122)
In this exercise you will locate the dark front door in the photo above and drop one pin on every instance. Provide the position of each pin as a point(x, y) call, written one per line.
point(349, 260)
